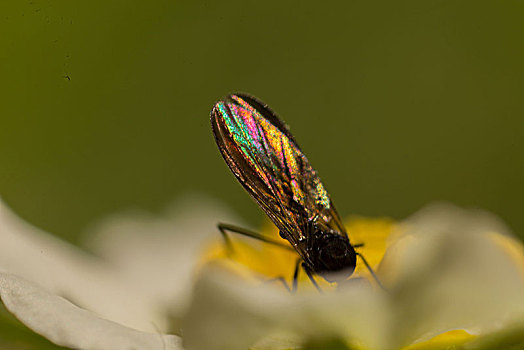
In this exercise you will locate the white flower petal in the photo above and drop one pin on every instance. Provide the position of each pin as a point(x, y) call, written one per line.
point(157, 255)
point(224, 313)
point(228, 314)
point(66, 270)
point(68, 325)
point(511, 337)
point(448, 273)
point(444, 272)
point(279, 340)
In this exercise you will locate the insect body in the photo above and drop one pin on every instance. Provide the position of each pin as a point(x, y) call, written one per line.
point(265, 158)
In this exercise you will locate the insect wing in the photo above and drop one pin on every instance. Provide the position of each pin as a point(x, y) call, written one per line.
point(265, 158)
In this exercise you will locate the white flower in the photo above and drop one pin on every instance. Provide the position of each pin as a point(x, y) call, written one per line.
point(445, 268)
point(135, 285)
point(68, 325)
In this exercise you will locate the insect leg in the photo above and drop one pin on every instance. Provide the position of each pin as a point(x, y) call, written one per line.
point(371, 271)
point(358, 245)
point(294, 285)
point(310, 275)
point(224, 228)
point(295, 276)
point(282, 280)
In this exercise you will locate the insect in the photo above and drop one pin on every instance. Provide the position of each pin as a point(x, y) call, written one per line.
point(267, 161)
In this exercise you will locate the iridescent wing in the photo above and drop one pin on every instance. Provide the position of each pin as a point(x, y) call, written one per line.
point(264, 156)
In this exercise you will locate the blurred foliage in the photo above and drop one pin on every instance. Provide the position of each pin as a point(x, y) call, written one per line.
point(105, 104)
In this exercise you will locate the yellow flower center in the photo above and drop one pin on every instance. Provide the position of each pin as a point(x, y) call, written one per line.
point(256, 260)
point(262, 262)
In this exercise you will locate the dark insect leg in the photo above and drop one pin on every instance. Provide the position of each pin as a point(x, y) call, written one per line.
point(282, 280)
point(294, 284)
point(224, 228)
point(295, 276)
point(310, 275)
point(371, 271)
point(358, 245)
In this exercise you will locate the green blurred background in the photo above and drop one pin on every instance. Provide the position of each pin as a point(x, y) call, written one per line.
point(105, 104)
